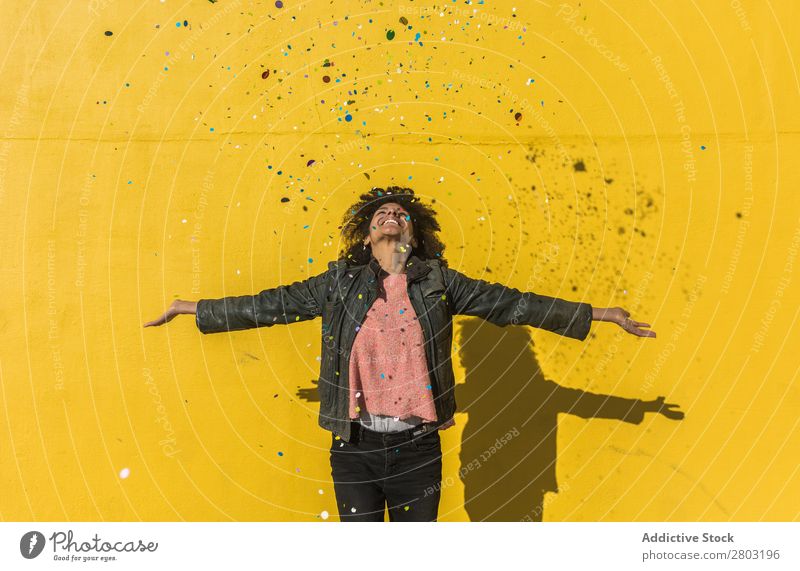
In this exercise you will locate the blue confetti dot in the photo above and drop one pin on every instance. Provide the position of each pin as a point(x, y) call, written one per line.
point(310, 260)
point(428, 387)
point(348, 117)
point(383, 376)
point(280, 453)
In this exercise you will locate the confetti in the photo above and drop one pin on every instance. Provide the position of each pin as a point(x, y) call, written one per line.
point(124, 473)
point(324, 515)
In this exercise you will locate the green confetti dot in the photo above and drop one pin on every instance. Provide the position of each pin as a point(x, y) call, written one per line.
point(390, 35)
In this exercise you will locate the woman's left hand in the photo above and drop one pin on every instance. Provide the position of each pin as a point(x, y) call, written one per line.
point(622, 318)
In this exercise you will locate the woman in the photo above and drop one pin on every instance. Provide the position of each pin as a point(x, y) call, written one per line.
point(386, 382)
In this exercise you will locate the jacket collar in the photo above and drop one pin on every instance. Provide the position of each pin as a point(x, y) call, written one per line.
point(415, 268)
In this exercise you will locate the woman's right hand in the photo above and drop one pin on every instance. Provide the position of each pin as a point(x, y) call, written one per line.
point(176, 308)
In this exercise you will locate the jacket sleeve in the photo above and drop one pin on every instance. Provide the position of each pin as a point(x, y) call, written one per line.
point(504, 305)
point(299, 301)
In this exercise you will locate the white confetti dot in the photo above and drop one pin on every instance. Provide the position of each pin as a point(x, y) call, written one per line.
point(324, 515)
point(320, 492)
point(352, 510)
point(183, 221)
point(124, 473)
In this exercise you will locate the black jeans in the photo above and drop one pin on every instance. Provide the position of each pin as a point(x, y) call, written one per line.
point(377, 469)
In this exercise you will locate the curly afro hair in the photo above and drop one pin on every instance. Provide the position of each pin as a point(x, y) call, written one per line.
point(355, 224)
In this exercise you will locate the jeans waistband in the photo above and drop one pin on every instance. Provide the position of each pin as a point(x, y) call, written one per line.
point(393, 437)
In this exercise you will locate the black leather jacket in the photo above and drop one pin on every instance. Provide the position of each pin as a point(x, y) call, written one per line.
point(343, 294)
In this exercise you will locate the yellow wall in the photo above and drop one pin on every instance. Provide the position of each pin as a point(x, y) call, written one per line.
point(117, 197)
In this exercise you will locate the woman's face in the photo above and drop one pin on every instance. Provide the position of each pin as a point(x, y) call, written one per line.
point(391, 221)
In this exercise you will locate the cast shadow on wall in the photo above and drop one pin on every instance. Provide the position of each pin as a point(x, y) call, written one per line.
point(509, 443)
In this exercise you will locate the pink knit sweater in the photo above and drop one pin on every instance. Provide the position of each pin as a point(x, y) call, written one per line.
point(388, 368)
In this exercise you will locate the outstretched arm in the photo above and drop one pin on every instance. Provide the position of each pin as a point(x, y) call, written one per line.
point(503, 305)
point(299, 301)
